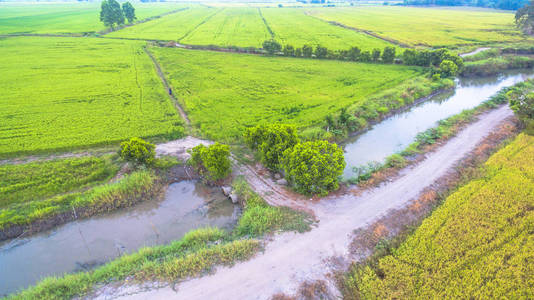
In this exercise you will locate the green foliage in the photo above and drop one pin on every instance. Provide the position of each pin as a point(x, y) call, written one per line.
point(129, 12)
point(320, 52)
point(271, 141)
point(376, 55)
point(84, 92)
point(212, 162)
point(474, 246)
point(111, 13)
point(271, 46)
point(138, 151)
point(522, 103)
point(448, 68)
point(260, 218)
point(314, 167)
point(307, 51)
point(389, 55)
point(495, 65)
point(524, 18)
point(195, 254)
point(288, 50)
point(35, 181)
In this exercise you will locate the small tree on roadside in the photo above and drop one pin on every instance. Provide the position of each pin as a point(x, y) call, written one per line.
point(213, 162)
point(111, 13)
point(354, 53)
point(138, 151)
point(129, 12)
point(272, 46)
point(388, 56)
point(314, 167)
point(448, 68)
point(271, 141)
point(365, 56)
point(523, 106)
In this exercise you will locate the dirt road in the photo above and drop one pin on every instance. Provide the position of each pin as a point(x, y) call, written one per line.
point(292, 258)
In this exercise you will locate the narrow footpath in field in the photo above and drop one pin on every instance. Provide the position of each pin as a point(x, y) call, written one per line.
point(291, 258)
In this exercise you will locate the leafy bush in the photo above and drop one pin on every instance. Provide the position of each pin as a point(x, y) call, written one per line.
point(272, 46)
point(213, 162)
point(314, 167)
point(448, 68)
point(138, 151)
point(271, 141)
point(523, 106)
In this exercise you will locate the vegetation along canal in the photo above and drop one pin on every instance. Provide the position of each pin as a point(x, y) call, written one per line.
point(397, 132)
point(87, 243)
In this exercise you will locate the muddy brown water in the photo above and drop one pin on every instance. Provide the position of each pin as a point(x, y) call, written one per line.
point(399, 131)
point(85, 244)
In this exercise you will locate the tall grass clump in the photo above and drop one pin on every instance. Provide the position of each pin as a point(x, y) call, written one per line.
point(260, 218)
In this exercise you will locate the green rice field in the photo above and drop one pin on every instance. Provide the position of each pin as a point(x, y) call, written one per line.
point(64, 93)
point(65, 18)
point(223, 93)
point(427, 26)
point(170, 27)
point(292, 26)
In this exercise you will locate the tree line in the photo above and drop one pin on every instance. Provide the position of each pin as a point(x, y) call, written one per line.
point(499, 4)
point(111, 13)
point(441, 60)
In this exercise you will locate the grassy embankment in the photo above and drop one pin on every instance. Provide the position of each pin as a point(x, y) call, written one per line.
point(429, 27)
point(194, 255)
point(493, 61)
point(38, 195)
point(65, 18)
point(223, 93)
point(445, 129)
point(476, 245)
point(72, 93)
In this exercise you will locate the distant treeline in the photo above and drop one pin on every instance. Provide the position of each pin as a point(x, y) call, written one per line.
point(500, 4)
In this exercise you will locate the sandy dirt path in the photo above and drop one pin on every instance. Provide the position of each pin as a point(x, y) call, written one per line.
point(292, 258)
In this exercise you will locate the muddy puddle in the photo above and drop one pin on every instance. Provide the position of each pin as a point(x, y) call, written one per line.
point(399, 131)
point(85, 244)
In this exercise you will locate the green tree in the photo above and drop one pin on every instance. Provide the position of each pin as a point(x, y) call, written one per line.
point(129, 11)
point(307, 51)
point(389, 55)
point(314, 167)
point(298, 52)
point(523, 106)
point(365, 56)
point(138, 151)
point(448, 68)
point(272, 46)
point(354, 53)
point(271, 141)
point(524, 18)
point(111, 13)
point(213, 162)
point(289, 50)
point(376, 55)
point(320, 52)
